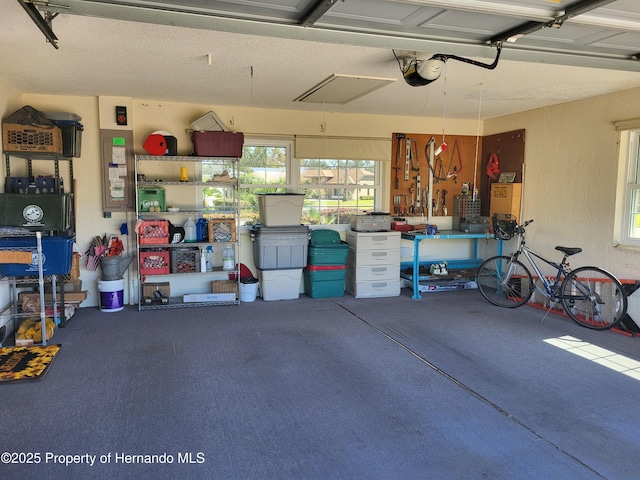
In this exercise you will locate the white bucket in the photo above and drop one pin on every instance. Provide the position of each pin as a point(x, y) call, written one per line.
point(248, 290)
point(111, 295)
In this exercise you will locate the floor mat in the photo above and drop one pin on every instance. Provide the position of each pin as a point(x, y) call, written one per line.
point(26, 363)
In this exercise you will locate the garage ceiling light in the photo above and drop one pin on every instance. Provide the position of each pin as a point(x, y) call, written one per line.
point(342, 89)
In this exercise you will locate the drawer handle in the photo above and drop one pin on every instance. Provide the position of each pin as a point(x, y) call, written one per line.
point(378, 269)
point(379, 285)
point(379, 254)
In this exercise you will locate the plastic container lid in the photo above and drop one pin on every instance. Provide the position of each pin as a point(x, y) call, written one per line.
point(64, 116)
point(209, 122)
point(324, 237)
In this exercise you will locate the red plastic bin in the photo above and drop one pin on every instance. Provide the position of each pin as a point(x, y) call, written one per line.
point(153, 232)
point(155, 263)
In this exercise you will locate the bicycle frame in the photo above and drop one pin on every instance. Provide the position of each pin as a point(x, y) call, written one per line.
point(550, 288)
point(590, 296)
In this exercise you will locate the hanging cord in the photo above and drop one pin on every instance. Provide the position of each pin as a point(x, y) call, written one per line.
point(475, 164)
point(444, 104)
point(456, 171)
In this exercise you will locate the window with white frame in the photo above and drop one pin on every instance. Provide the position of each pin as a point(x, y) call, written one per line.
point(334, 189)
point(630, 224)
point(337, 189)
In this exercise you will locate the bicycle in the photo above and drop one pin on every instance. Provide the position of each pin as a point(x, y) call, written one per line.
point(590, 296)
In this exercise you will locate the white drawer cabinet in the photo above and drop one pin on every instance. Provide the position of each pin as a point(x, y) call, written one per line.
point(360, 257)
point(373, 264)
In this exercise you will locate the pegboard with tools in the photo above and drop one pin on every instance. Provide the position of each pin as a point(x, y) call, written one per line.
point(427, 173)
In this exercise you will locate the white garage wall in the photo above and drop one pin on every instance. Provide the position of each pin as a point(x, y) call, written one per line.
point(571, 168)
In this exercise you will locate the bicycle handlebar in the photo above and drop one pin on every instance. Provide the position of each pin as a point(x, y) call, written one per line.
point(520, 228)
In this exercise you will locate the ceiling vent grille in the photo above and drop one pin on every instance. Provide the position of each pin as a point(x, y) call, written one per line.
point(342, 89)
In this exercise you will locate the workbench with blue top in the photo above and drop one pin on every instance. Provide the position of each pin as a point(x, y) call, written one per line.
point(408, 269)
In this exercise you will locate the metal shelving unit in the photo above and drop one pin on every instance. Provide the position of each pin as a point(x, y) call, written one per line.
point(143, 169)
point(31, 228)
point(11, 308)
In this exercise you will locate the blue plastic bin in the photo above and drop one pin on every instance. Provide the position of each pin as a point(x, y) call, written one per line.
point(57, 253)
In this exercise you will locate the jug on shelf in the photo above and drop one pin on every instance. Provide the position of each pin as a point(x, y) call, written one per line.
point(228, 259)
point(190, 231)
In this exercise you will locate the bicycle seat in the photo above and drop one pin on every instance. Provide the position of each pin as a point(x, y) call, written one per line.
point(568, 251)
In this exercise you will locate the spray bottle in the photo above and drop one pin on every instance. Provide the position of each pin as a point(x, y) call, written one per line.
point(203, 260)
point(209, 260)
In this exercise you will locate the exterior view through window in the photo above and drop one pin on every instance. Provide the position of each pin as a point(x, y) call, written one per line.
point(631, 221)
point(334, 189)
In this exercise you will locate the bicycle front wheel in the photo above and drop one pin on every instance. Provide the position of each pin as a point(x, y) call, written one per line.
point(504, 282)
point(593, 298)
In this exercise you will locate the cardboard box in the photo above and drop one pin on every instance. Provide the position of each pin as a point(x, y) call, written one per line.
point(69, 297)
point(149, 289)
point(225, 286)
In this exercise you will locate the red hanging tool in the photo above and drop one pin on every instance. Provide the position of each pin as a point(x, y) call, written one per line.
point(493, 167)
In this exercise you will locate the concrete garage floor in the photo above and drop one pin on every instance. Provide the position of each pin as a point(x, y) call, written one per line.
point(445, 387)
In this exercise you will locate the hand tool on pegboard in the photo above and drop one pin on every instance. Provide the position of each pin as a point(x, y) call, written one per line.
point(396, 204)
point(407, 158)
point(396, 167)
point(397, 179)
point(418, 202)
point(444, 202)
point(415, 161)
point(413, 198)
point(425, 205)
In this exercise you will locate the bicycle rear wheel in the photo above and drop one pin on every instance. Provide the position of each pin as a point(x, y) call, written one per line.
point(593, 298)
point(504, 282)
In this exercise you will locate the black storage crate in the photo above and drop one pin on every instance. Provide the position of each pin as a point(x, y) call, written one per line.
point(185, 260)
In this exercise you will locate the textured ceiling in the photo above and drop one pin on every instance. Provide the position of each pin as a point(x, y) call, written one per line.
point(251, 53)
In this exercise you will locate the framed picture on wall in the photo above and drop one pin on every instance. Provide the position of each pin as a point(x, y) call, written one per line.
point(507, 177)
